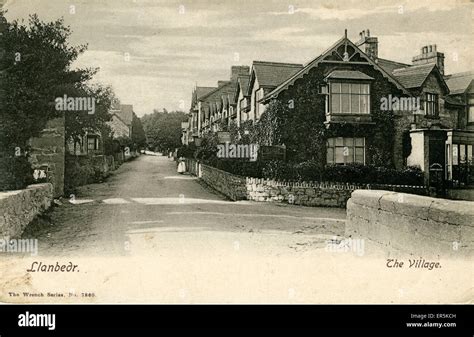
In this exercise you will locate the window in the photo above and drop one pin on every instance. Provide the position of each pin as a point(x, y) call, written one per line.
point(462, 154)
point(342, 150)
point(431, 105)
point(350, 98)
point(92, 143)
point(470, 118)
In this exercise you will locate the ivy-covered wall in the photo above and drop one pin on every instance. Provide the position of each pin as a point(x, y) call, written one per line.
point(302, 110)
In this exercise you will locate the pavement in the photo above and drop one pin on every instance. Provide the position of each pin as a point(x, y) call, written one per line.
point(151, 235)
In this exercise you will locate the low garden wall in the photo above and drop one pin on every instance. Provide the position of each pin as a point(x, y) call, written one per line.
point(418, 225)
point(18, 208)
point(299, 193)
point(231, 185)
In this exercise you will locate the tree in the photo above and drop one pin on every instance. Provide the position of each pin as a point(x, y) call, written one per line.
point(163, 130)
point(138, 133)
point(80, 122)
point(36, 69)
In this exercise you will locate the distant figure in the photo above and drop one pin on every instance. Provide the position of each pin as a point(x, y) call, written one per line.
point(181, 165)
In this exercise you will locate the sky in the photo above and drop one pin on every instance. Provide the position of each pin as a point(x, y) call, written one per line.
point(154, 52)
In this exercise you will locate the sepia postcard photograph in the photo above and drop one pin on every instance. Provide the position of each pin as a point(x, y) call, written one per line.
point(237, 152)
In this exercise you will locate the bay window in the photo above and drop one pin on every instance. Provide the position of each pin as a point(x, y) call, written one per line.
point(345, 150)
point(350, 98)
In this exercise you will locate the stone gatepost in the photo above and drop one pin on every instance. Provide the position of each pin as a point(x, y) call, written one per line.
point(47, 154)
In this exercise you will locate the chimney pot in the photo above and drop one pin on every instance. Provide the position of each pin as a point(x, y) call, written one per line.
point(368, 32)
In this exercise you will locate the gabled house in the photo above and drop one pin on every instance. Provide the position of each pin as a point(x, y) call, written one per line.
point(264, 77)
point(460, 141)
point(194, 123)
point(215, 104)
point(121, 122)
point(341, 93)
point(242, 99)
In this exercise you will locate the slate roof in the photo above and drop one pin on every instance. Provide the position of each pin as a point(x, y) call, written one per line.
point(271, 74)
point(244, 84)
point(413, 76)
point(125, 113)
point(390, 65)
point(458, 83)
point(201, 91)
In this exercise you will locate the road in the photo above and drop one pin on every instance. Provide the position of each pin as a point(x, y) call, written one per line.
point(148, 234)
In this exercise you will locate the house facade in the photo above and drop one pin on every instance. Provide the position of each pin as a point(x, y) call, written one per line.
point(212, 107)
point(265, 77)
point(348, 105)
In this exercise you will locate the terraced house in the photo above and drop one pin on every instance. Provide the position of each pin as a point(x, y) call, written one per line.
point(348, 105)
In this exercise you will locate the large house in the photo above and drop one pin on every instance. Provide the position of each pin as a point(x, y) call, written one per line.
point(91, 143)
point(356, 107)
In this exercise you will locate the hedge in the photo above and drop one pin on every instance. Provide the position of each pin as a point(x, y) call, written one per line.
point(311, 171)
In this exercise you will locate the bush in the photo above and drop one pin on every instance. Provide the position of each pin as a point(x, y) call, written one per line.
point(353, 173)
point(357, 173)
point(78, 171)
point(241, 168)
point(311, 171)
point(186, 151)
point(15, 172)
point(279, 170)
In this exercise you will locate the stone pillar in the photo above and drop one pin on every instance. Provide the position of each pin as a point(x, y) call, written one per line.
point(48, 152)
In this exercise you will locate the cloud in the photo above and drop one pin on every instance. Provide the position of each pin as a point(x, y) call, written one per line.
point(170, 50)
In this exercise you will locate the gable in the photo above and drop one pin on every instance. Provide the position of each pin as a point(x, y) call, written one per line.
point(343, 52)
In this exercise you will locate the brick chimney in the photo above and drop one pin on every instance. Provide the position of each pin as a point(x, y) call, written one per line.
point(368, 44)
point(429, 54)
point(236, 71)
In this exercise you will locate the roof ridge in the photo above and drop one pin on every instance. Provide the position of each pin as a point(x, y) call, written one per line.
point(215, 90)
point(406, 64)
point(463, 73)
point(414, 67)
point(316, 60)
point(279, 63)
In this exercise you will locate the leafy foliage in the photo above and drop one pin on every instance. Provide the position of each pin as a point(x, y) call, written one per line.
point(163, 130)
point(36, 68)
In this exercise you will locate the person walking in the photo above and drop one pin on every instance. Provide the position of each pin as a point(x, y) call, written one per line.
point(181, 165)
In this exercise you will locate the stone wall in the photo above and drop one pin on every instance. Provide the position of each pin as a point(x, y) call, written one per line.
point(306, 194)
point(325, 194)
point(47, 154)
point(19, 208)
point(230, 185)
point(412, 224)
